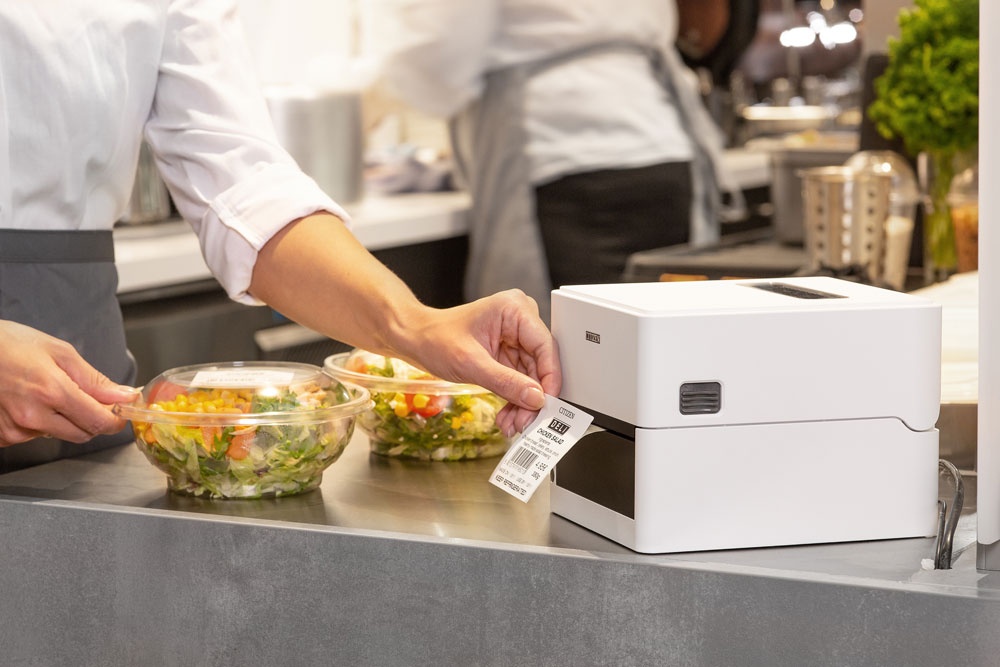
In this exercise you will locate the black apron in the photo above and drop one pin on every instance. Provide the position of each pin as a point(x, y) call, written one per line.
point(65, 284)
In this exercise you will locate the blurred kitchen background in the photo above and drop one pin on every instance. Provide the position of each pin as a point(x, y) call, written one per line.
point(785, 80)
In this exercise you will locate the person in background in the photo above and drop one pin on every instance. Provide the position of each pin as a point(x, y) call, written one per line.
point(575, 127)
point(80, 84)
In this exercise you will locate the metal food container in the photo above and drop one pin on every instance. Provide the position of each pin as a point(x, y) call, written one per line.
point(149, 201)
point(321, 128)
point(789, 155)
point(845, 221)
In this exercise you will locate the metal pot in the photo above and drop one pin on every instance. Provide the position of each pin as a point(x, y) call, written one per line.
point(322, 129)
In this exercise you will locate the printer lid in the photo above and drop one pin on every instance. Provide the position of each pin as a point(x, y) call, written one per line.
point(818, 293)
point(748, 351)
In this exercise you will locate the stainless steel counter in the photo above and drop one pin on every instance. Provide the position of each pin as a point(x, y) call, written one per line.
point(454, 501)
point(406, 563)
point(360, 491)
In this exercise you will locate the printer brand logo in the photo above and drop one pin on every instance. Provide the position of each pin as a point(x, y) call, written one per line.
point(559, 427)
point(593, 337)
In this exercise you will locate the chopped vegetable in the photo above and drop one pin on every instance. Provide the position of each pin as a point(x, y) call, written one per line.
point(424, 424)
point(244, 461)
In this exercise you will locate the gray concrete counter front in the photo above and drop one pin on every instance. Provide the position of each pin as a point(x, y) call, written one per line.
point(405, 563)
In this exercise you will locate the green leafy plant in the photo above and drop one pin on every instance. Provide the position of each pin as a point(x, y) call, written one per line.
point(928, 97)
point(929, 93)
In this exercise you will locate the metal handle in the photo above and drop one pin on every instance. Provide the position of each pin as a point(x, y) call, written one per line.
point(948, 516)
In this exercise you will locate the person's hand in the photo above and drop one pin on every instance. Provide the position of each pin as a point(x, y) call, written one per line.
point(315, 272)
point(47, 389)
point(497, 342)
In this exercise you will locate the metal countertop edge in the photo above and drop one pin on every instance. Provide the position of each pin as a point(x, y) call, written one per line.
point(672, 561)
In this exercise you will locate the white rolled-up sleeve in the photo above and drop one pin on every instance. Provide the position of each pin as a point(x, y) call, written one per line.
point(215, 145)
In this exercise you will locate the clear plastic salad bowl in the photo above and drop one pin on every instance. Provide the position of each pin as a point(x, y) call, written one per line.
point(419, 416)
point(244, 429)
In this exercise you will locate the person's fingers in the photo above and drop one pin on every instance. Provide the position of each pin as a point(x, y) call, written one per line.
point(12, 434)
point(497, 342)
point(68, 409)
point(108, 392)
point(512, 419)
point(46, 389)
point(37, 420)
point(528, 345)
point(518, 359)
point(522, 418)
point(505, 420)
point(85, 415)
point(513, 386)
point(80, 427)
point(94, 383)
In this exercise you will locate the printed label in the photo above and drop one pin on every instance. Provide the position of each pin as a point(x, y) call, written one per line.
point(546, 440)
point(242, 377)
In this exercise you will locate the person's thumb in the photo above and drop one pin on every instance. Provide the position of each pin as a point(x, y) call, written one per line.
point(108, 392)
point(96, 384)
point(515, 387)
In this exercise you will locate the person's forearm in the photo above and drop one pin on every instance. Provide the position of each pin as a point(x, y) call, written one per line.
point(316, 273)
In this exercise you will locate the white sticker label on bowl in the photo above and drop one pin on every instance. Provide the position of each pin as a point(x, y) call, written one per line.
point(546, 440)
point(242, 377)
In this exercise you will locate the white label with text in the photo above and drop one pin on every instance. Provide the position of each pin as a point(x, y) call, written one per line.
point(242, 377)
point(546, 440)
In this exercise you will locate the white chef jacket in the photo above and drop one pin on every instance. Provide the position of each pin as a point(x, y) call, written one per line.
point(602, 111)
point(81, 81)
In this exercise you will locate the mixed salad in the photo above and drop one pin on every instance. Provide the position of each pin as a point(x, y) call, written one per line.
point(242, 443)
point(418, 416)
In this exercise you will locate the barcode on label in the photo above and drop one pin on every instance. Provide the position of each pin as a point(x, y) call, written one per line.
point(523, 458)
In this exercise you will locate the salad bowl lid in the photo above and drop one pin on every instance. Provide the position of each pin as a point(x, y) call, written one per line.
point(405, 377)
point(268, 382)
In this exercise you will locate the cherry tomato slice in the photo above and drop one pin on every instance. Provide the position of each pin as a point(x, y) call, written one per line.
point(165, 391)
point(434, 405)
point(209, 435)
point(239, 447)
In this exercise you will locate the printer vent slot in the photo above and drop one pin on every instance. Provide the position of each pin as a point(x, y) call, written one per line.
point(701, 398)
point(794, 291)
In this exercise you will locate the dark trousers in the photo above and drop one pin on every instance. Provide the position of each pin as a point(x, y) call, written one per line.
point(591, 222)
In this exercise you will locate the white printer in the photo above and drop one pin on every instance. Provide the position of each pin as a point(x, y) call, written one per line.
point(749, 413)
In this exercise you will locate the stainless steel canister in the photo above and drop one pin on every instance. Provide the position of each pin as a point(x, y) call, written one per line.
point(845, 221)
point(322, 129)
point(149, 201)
point(787, 163)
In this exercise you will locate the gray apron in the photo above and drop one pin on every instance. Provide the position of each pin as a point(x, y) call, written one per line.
point(489, 144)
point(65, 283)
